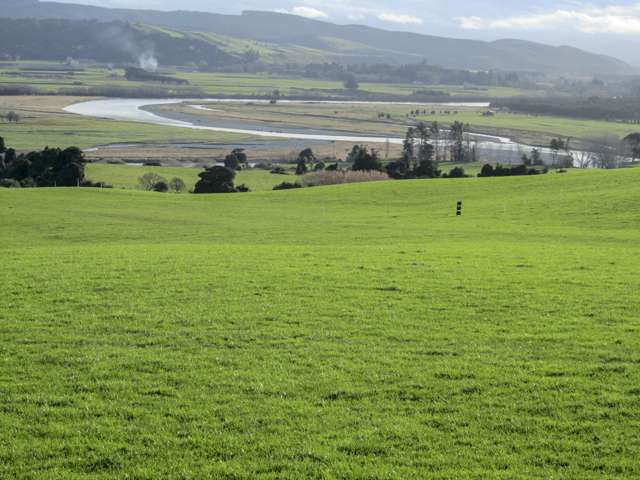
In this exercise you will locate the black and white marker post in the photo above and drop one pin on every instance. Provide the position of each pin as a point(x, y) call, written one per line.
point(459, 209)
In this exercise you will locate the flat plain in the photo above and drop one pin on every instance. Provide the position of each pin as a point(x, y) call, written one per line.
point(355, 331)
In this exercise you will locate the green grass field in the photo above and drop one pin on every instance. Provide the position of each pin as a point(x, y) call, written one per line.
point(357, 331)
point(44, 123)
point(126, 176)
point(534, 128)
point(12, 73)
point(537, 130)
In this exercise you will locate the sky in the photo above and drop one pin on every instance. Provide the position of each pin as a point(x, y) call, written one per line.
point(608, 27)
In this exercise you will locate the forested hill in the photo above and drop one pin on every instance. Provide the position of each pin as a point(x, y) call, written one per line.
point(325, 41)
point(109, 42)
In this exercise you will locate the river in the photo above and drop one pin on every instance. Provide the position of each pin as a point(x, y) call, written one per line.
point(489, 147)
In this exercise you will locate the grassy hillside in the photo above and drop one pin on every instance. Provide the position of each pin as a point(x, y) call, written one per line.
point(349, 43)
point(360, 331)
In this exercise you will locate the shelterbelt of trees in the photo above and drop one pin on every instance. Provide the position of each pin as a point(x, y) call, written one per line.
point(51, 167)
point(625, 108)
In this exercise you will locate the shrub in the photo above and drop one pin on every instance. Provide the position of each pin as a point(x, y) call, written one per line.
point(91, 184)
point(456, 172)
point(149, 180)
point(339, 177)
point(161, 186)
point(486, 171)
point(177, 185)
point(514, 170)
point(28, 182)
point(301, 168)
point(152, 163)
point(9, 183)
point(242, 188)
point(427, 169)
point(279, 171)
point(287, 186)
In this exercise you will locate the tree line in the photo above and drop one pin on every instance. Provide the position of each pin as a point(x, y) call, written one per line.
point(51, 167)
point(592, 108)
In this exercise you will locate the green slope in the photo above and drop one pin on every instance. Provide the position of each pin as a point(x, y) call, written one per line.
point(349, 43)
point(360, 331)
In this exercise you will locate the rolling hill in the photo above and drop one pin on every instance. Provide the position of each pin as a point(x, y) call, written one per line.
point(357, 331)
point(285, 38)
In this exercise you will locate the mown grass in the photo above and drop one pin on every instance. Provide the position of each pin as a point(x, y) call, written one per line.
point(358, 331)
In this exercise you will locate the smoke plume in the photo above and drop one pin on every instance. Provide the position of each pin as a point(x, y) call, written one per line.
point(148, 61)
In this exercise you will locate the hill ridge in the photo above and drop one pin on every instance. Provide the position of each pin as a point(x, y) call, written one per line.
point(286, 29)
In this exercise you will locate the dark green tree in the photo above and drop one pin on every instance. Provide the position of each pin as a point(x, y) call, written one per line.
point(162, 187)
point(305, 162)
point(48, 168)
point(487, 171)
point(216, 179)
point(633, 140)
point(236, 160)
point(363, 160)
point(427, 167)
point(350, 82)
point(12, 117)
point(68, 168)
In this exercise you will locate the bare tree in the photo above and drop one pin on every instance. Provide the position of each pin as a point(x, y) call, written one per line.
point(607, 151)
point(582, 158)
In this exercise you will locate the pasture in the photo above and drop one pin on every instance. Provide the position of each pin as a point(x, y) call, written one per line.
point(55, 77)
point(530, 129)
point(355, 331)
point(44, 123)
point(126, 176)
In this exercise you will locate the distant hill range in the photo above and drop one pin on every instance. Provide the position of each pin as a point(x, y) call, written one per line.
point(282, 38)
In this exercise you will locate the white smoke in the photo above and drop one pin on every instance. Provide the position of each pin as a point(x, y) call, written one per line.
point(121, 38)
point(148, 61)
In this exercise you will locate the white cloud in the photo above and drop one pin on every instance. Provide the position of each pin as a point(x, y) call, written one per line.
point(399, 18)
point(617, 19)
point(356, 11)
point(308, 12)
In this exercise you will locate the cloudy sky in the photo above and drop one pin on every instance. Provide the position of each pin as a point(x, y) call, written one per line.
point(610, 27)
